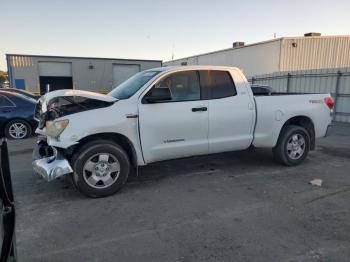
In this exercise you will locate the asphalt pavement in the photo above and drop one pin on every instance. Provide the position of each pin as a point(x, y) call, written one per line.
point(237, 206)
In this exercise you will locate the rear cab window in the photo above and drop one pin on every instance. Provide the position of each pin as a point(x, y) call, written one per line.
point(218, 83)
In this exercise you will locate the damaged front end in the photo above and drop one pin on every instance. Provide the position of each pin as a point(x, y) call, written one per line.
point(51, 112)
point(62, 103)
point(49, 162)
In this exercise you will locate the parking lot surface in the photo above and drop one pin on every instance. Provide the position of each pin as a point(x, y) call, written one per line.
point(237, 206)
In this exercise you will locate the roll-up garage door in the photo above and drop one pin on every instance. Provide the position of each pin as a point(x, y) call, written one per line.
point(123, 72)
point(55, 76)
point(55, 69)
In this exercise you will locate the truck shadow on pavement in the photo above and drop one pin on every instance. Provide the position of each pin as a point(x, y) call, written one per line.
point(223, 164)
point(238, 164)
point(230, 164)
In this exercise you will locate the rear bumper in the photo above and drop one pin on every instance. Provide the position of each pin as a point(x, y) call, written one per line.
point(49, 162)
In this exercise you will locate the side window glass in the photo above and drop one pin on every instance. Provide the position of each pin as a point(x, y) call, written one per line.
point(184, 86)
point(221, 84)
point(4, 102)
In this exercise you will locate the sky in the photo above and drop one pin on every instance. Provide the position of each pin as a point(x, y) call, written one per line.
point(158, 29)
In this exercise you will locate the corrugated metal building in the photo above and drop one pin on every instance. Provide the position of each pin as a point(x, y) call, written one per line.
point(35, 73)
point(281, 54)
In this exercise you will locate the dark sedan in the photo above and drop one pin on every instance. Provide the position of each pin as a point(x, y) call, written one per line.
point(16, 115)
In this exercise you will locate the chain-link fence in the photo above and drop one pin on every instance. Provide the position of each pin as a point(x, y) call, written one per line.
point(335, 81)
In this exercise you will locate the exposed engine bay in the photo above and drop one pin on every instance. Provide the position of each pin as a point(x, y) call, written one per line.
point(66, 105)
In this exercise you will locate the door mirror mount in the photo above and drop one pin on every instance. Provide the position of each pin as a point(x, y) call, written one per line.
point(158, 95)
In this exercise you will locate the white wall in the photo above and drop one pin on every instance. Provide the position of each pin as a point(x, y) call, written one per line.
point(284, 54)
point(301, 53)
point(255, 59)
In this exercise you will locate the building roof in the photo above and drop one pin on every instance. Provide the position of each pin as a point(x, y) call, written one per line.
point(82, 57)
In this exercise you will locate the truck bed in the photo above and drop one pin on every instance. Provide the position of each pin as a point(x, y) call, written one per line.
point(264, 90)
point(275, 109)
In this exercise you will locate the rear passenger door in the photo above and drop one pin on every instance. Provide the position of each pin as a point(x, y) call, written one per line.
point(231, 112)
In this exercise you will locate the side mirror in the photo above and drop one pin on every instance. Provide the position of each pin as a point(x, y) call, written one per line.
point(158, 95)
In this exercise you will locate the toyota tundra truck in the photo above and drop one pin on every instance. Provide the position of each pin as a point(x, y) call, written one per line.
point(167, 113)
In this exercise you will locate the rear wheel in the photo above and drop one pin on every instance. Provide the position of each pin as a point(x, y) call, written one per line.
point(293, 145)
point(17, 129)
point(101, 168)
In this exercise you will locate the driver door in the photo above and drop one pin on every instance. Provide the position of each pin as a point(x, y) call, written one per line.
point(177, 127)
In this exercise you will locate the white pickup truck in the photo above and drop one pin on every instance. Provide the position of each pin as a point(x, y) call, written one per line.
point(167, 113)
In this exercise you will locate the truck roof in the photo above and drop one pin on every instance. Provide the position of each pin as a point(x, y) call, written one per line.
point(191, 67)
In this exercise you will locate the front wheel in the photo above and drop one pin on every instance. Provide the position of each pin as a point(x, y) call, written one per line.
point(101, 168)
point(293, 145)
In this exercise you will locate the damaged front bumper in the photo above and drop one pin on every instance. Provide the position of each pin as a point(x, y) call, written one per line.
point(49, 162)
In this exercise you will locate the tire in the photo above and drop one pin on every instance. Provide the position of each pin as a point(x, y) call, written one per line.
point(293, 145)
point(101, 168)
point(18, 129)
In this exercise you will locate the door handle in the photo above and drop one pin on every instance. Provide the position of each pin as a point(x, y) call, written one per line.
point(199, 109)
point(6, 111)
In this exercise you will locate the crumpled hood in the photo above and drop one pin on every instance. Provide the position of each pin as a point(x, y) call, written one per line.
point(74, 92)
point(74, 104)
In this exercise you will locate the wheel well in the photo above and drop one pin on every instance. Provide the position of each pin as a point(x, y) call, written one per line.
point(17, 118)
point(305, 122)
point(121, 140)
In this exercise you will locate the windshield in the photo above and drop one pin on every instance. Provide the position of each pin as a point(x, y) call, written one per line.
point(132, 85)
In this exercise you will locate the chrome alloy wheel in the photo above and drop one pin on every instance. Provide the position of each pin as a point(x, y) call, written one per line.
point(101, 170)
point(18, 130)
point(296, 146)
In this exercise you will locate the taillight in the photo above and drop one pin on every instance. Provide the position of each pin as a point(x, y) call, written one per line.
point(329, 102)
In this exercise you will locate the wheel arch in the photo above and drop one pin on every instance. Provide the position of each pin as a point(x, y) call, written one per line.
point(305, 122)
point(16, 118)
point(120, 139)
